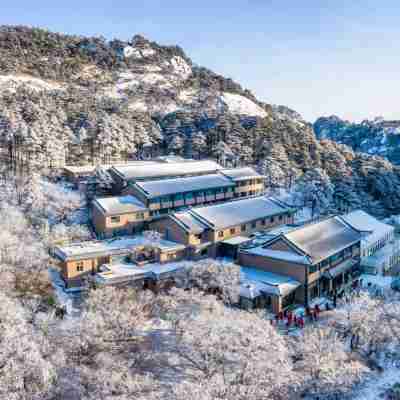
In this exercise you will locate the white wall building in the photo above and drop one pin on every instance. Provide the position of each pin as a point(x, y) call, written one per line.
point(380, 249)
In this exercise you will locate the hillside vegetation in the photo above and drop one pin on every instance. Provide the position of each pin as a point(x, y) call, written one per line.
point(77, 100)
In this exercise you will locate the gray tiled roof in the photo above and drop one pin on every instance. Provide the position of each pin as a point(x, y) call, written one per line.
point(189, 222)
point(237, 174)
point(238, 212)
point(165, 187)
point(170, 169)
point(323, 239)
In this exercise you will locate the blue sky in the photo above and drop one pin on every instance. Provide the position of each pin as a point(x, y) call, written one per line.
point(317, 57)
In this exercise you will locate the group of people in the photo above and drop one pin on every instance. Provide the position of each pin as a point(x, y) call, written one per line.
point(290, 319)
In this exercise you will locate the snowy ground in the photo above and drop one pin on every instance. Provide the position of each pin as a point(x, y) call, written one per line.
point(369, 280)
point(64, 297)
point(375, 386)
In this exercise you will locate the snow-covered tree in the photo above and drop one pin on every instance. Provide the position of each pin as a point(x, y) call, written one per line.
point(216, 277)
point(323, 364)
point(27, 359)
point(231, 355)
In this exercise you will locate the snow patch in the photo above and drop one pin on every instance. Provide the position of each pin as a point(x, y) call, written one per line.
point(148, 52)
point(13, 81)
point(181, 67)
point(153, 78)
point(238, 104)
point(187, 95)
point(152, 68)
point(138, 105)
point(134, 52)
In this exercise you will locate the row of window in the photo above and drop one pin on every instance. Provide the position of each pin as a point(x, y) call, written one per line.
point(250, 182)
point(117, 218)
point(342, 255)
point(253, 225)
point(190, 196)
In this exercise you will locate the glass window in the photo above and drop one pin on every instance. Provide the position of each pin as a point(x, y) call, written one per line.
point(272, 219)
point(139, 215)
point(115, 219)
point(254, 225)
point(263, 221)
point(232, 231)
point(243, 228)
point(79, 266)
point(220, 234)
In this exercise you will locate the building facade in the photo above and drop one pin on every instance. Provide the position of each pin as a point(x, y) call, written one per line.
point(324, 257)
point(118, 216)
point(76, 261)
point(205, 230)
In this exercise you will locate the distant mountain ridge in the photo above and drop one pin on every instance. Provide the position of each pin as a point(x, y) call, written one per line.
point(376, 137)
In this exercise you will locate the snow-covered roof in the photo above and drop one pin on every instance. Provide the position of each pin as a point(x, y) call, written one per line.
point(278, 255)
point(171, 158)
point(238, 174)
point(123, 272)
point(237, 240)
point(80, 169)
point(238, 212)
point(166, 169)
point(116, 246)
point(255, 280)
point(165, 187)
point(188, 222)
point(323, 239)
point(119, 205)
point(363, 222)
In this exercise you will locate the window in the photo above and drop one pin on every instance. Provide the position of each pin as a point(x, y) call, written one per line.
point(280, 218)
point(313, 268)
point(254, 225)
point(79, 266)
point(115, 219)
point(243, 228)
point(198, 237)
point(272, 220)
point(325, 263)
point(221, 234)
point(263, 222)
point(139, 215)
point(232, 231)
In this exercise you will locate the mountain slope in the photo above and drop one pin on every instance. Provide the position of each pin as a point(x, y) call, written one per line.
point(70, 99)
